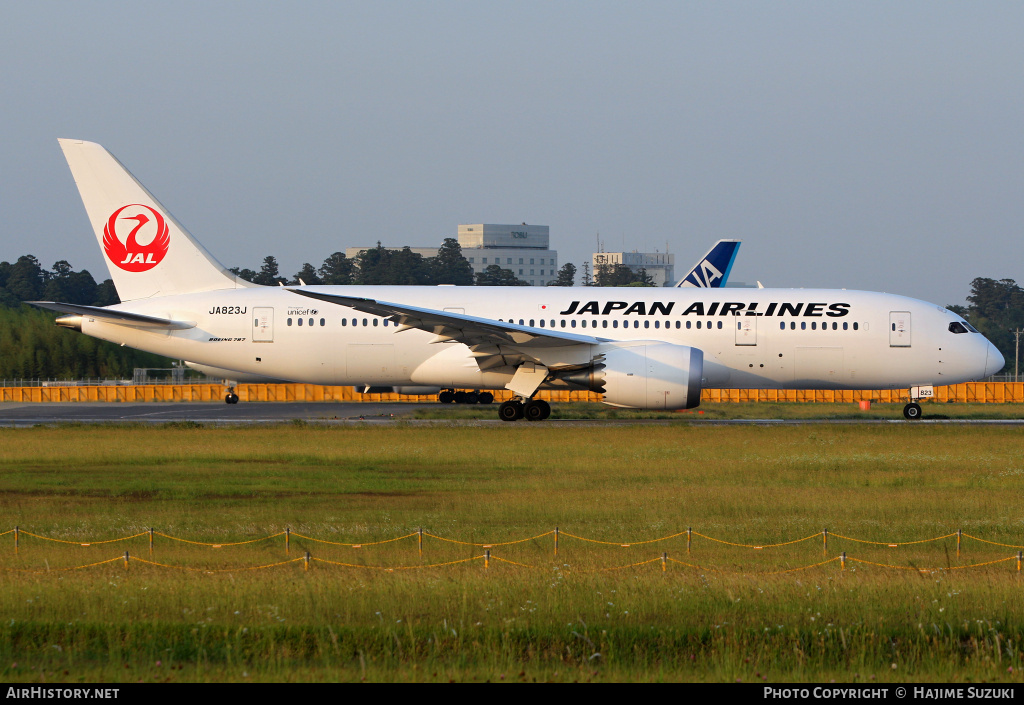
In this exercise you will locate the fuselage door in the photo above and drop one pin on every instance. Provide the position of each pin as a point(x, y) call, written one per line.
point(899, 329)
point(263, 324)
point(746, 331)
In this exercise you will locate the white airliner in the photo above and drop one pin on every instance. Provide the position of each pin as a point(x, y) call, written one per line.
point(640, 347)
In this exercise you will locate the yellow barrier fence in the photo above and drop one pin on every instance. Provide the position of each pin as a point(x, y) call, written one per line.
point(663, 559)
point(556, 533)
point(982, 392)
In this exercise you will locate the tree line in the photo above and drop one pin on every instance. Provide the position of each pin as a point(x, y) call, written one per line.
point(381, 266)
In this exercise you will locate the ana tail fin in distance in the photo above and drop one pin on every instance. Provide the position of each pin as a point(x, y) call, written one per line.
point(147, 251)
point(712, 271)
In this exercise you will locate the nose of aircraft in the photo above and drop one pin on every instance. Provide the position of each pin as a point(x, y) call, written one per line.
point(994, 362)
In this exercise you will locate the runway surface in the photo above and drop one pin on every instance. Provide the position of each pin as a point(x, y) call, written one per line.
point(19, 414)
point(340, 413)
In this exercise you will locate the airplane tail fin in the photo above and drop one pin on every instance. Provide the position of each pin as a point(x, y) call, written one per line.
point(713, 268)
point(147, 251)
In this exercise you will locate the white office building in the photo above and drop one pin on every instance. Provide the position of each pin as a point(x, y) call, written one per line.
point(523, 249)
point(660, 266)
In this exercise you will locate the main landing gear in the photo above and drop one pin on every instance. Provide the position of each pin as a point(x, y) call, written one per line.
point(912, 411)
point(531, 410)
point(449, 396)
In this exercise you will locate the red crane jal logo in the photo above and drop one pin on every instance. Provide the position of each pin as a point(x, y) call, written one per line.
point(136, 238)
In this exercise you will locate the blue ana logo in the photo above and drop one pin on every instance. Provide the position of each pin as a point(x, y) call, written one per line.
point(704, 275)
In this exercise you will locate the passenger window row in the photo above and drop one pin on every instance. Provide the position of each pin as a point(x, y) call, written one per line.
point(344, 321)
point(814, 325)
point(604, 323)
point(300, 321)
point(688, 325)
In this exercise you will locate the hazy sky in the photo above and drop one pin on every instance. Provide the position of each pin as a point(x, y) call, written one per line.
point(869, 145)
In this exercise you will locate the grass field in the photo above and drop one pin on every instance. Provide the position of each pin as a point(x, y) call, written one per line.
point(564, 618)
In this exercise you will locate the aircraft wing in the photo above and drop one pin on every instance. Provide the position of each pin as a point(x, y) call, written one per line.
point(494, 343)
point(124, 318)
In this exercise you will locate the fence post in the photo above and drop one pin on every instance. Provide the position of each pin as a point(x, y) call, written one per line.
point(556, 540)
point(287, 540)
point(842, 561)
point(1020, 554)
point(487, 559)
point(126, 560)
point(306, 564)
point(689, 536)
point(664, 561)
point(959, 535)
point(16, 537)
point(151, 541)
point(824, 541)
point(419, 540)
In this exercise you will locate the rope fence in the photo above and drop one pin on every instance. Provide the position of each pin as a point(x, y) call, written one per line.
point(307, 560)
point(556, 533)
point(487, 557)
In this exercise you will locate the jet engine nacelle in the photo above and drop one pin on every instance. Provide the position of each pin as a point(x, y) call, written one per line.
point(652, 376)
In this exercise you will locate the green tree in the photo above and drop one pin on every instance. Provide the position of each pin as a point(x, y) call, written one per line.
point(382, 266)
point(450, 266)
point(246, 274)
point(586, 280)
point(269, 274)
point(617, 274)
point(566, 275)
point(64, 284)
point(33, 347)
point(106, 294)
point(26, 279)
point(337, 269)
point(307, 275)
point(995, 307)
point(494, 275)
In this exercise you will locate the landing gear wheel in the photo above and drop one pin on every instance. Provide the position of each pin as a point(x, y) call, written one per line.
point(446, 397)
point(912, 411)
point(231, 398)
point(510, 411)
point(472, 397)
point(536, 410)
point(460, 397)
point(485, 398)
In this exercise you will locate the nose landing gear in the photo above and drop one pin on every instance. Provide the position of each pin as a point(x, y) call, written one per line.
point(912, 411)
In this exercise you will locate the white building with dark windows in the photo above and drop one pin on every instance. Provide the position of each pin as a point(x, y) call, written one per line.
point(523, 249)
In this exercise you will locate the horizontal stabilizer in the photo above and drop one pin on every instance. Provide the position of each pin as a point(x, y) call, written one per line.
point(110, 315)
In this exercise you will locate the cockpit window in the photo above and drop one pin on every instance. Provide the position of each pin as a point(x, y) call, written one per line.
point(971, 328)
point(957, 327)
